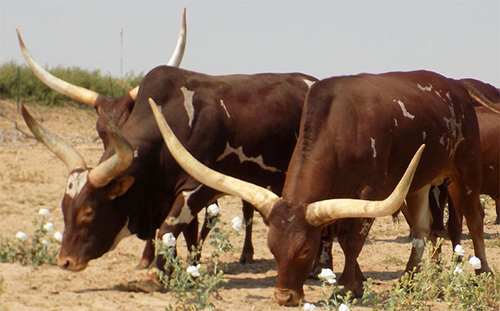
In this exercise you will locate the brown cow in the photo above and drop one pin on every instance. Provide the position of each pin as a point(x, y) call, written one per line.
point(152, 191)
point(357, 135)
point(118, 108)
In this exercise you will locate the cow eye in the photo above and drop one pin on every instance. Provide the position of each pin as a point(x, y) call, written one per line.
point(86, 215)
point(304, 253)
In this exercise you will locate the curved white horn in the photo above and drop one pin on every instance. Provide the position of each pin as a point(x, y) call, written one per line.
point(176, 58)
point(65, 152)
point(106, 171)
point(78, 93)
point(324, 212)
point(261, 198)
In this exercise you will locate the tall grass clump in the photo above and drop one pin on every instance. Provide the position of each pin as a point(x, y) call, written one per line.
point(32, 89)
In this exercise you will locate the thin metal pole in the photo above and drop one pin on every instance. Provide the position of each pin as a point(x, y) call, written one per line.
point(121, 51)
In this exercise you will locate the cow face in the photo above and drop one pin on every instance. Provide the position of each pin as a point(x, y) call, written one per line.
point(294, 243)
point(93, 223)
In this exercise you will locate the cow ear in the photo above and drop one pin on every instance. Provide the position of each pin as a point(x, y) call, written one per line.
point(121, 187)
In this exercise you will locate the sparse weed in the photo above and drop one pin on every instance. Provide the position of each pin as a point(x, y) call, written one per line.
point(37, 249)
point(454, 286)
point(194, 286)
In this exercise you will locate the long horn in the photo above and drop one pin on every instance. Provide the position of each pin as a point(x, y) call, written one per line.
point(261, 198)
point(106, 171)
point(480, 98)
point(65, 152)
point(324, 212)
point(176, 58)
point(78, 93)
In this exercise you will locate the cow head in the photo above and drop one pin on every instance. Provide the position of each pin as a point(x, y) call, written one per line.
point(294, 227)
point(92, 223)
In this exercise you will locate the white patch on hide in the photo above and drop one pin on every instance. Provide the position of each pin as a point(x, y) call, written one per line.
point(395, 122)
point(185, 216)
point(125, 232)
point(188, 104)
point(373, 147)
point(308, 82)
point(76, 181)
point(225, 108)
point(405, 112)
point(365, 227)
point(448, 96)
point(425, 88)
point(242, 157)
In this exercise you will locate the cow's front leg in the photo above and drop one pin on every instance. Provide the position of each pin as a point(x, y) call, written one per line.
point(352, 234)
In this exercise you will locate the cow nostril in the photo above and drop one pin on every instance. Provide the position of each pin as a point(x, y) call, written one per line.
point(283, 297)
point(64, 263)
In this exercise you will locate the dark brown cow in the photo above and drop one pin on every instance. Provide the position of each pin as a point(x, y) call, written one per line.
point(212, 115)
point(356, 137)
point(117, 108)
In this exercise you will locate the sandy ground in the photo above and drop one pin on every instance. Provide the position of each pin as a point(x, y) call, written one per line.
point(31, 178)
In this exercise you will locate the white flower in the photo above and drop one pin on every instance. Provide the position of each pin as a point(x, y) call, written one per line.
point(475, 262)
point(343, 307)
point(309, 307)
point(58, 236)
point(168, 239)
point(328, 275)
point(237, 223)
point(49, 227)
point(194, 271)
point(459, 250)
point(459, 271)
point(21, 236)
point(44, 212)
point(45, 242)
point(418, 243)
point(213, 210)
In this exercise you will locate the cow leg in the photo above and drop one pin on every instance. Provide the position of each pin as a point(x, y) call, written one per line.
point(454, 224)
point(466, 202)
point(421, 220)
point(324, 258)
point(148, 255)
point(352, 234)
point(191, 236)
point(247, 252)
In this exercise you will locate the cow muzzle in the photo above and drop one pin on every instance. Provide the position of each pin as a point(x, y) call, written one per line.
point(71, 264)
point(287, 297)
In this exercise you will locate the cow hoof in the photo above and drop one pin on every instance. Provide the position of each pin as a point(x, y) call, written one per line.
point(246, 259)
point(146, 285)
point(143, 264)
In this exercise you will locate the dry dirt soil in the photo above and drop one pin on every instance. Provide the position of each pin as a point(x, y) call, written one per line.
point(31, 177)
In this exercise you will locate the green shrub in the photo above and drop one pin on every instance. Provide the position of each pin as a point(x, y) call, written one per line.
point(35, 250)
point(194, 286)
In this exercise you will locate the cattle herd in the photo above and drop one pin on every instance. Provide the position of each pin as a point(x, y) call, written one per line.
point(316, 159)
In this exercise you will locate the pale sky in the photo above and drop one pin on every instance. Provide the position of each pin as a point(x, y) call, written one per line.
point(321, 38)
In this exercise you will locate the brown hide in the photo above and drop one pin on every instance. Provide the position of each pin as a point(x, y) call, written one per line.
point(357, 136)
point(222, 109)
